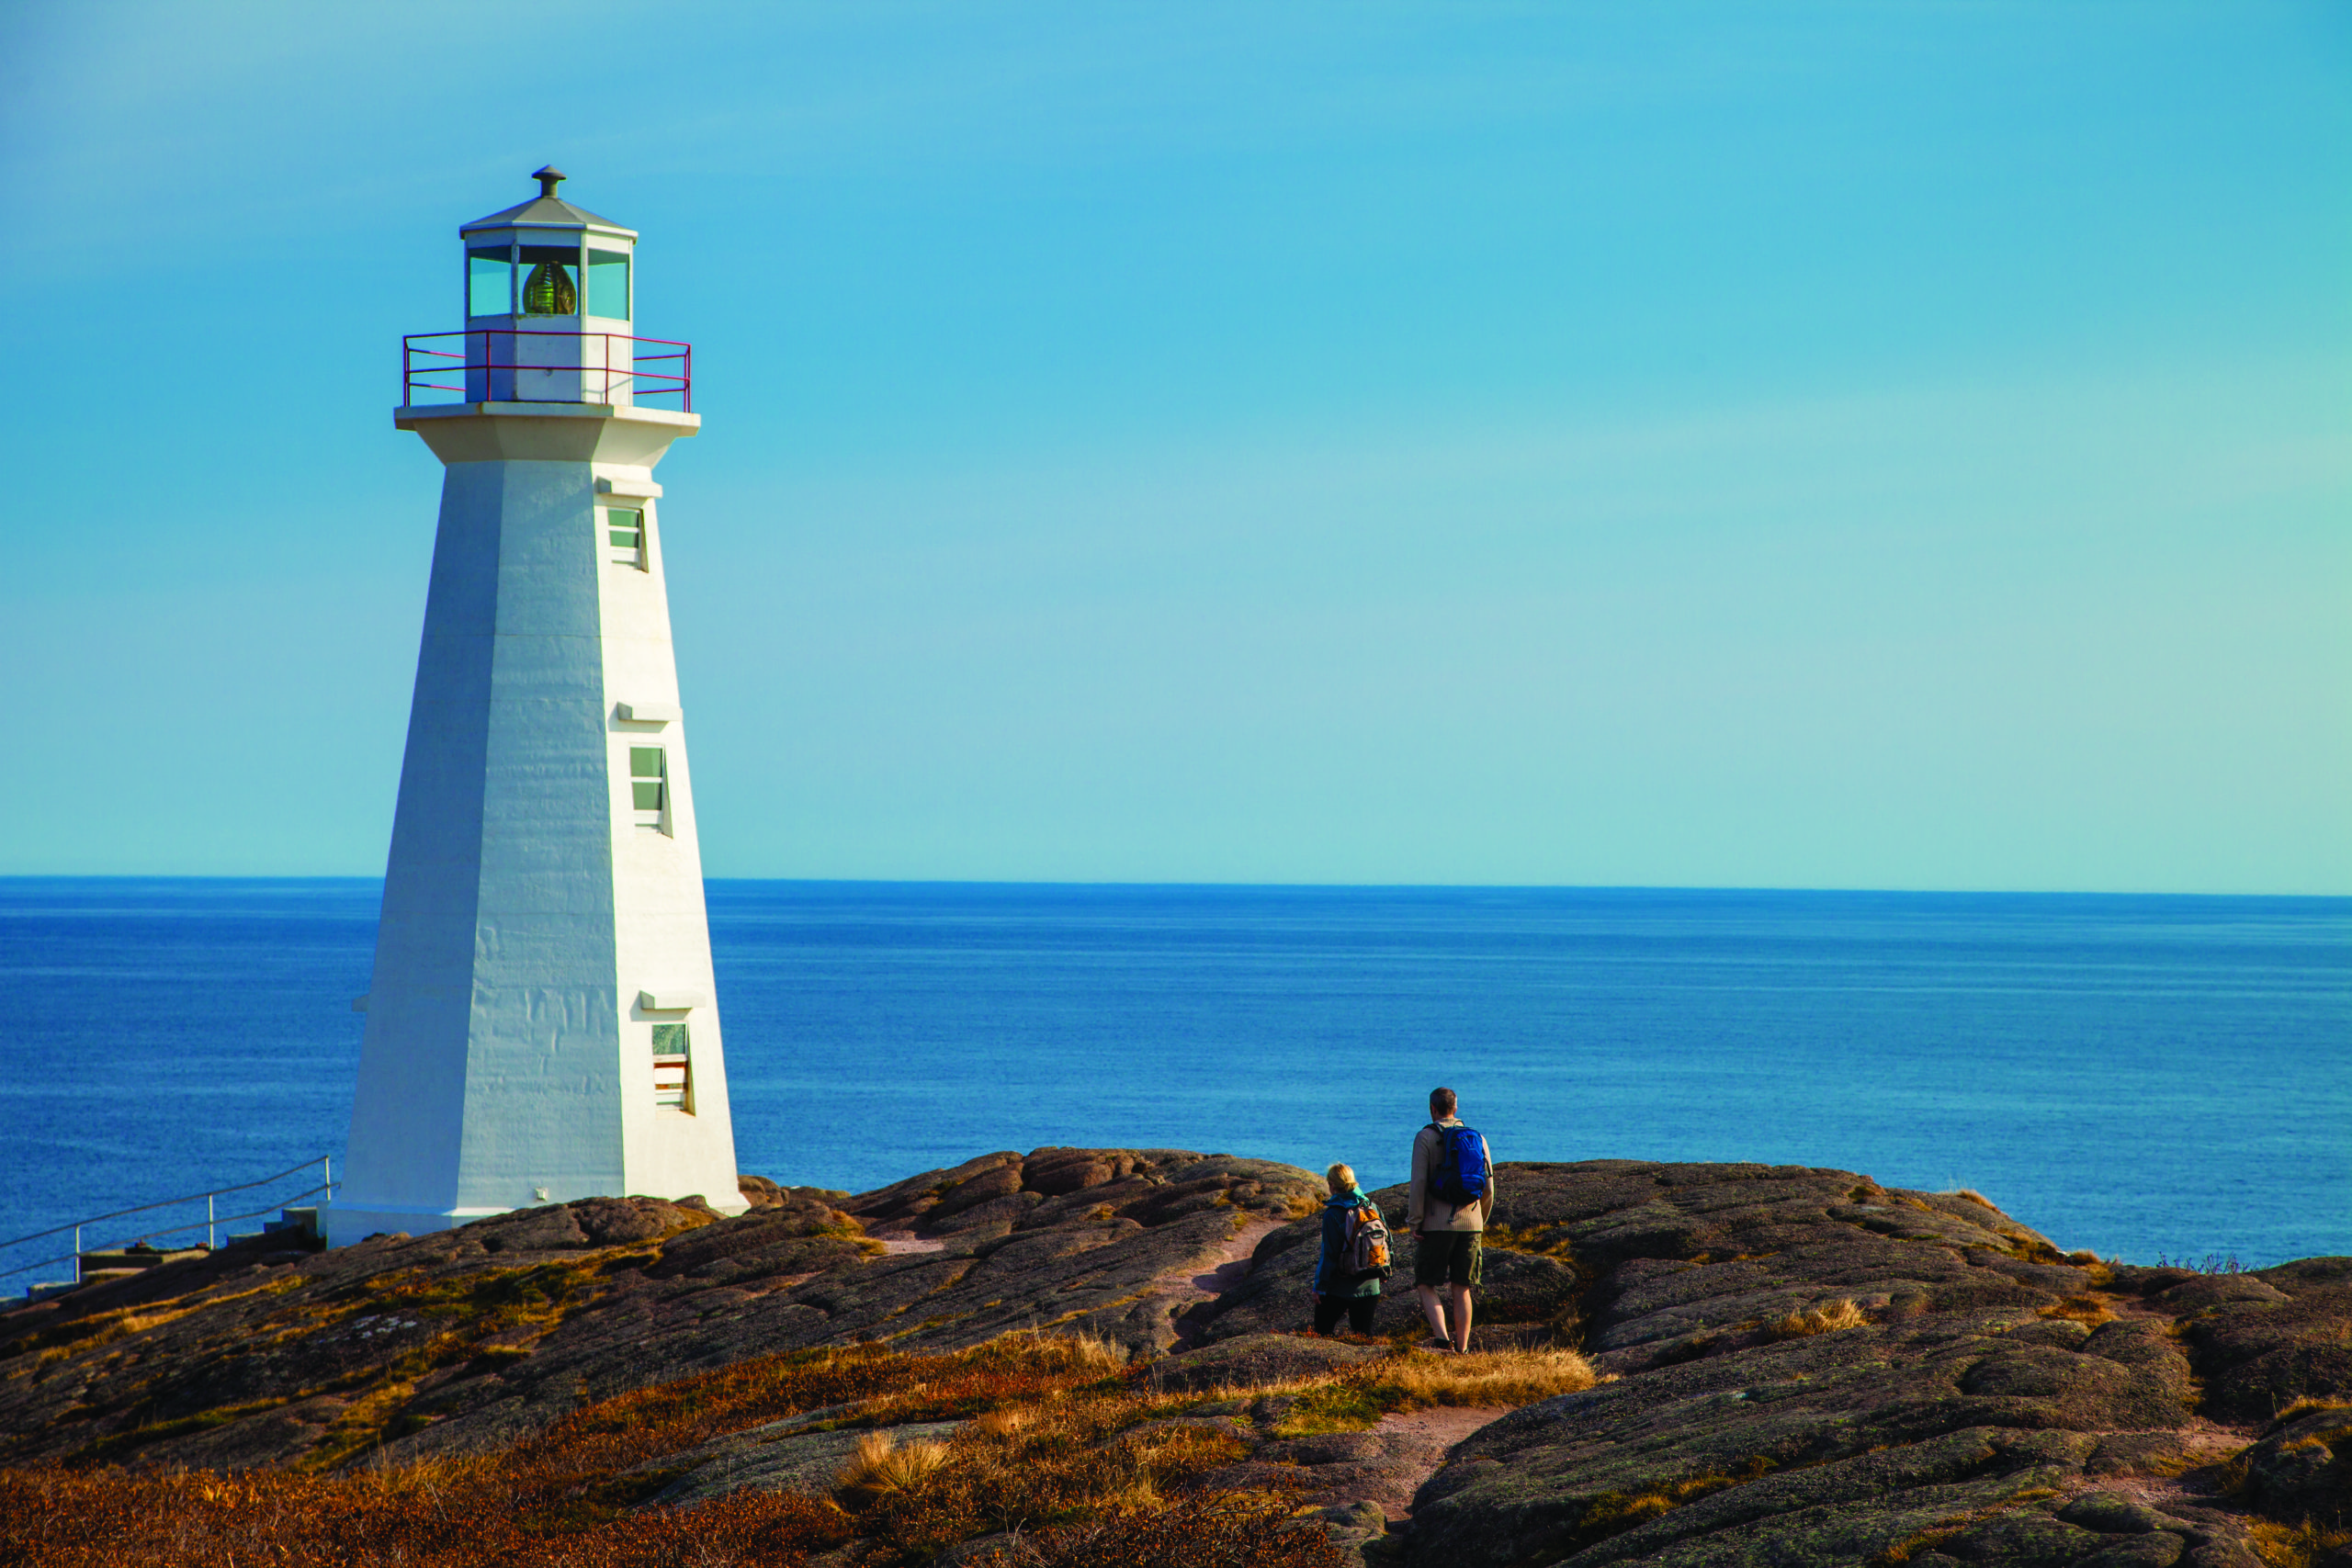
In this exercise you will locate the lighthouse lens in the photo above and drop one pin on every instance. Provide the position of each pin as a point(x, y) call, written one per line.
point(553, 286)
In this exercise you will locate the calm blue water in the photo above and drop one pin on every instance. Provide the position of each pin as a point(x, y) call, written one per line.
point(2136, 1074)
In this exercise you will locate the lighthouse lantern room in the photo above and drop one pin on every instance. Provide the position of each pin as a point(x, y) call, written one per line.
point(542, 1022)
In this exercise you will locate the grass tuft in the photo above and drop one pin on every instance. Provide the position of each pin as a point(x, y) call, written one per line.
point(2304, 1545)
point(1839, 1315)
point(1361, 1395)
point(2088, 1310)
point(2308, 1404)
point(881, 1469)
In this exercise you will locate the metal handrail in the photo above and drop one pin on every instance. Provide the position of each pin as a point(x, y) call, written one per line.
point(641, 382)
point(76, 1255)
point(211, 1222)
point(321, 1162)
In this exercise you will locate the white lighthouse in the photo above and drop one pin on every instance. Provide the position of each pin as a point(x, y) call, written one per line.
point(543, 1023)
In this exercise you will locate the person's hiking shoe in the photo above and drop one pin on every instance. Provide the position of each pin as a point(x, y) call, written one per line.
point(1445, 1345)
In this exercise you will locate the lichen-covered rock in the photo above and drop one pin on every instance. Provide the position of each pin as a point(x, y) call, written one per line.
point(2262, 1341)
point(786, 1456)
point(2303, 1470)
point(1254, 1360)
point(1811, 1367)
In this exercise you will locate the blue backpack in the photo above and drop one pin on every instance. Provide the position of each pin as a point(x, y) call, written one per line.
point(1458, 1176)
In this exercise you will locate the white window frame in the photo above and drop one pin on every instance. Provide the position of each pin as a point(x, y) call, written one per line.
point(658, 816)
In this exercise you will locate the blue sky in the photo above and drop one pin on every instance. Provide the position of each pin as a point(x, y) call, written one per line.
point(1868, 446)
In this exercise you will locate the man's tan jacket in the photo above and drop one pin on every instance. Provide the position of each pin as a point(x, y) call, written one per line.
point(1428, 1212)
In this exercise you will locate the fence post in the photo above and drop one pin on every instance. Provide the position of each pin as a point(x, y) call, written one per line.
point(209, 1242)
point(77, 1255)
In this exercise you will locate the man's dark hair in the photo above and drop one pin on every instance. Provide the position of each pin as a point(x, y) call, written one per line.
point(1442, 1103)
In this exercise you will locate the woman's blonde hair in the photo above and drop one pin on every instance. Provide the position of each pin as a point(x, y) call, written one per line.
point(1342, 1178)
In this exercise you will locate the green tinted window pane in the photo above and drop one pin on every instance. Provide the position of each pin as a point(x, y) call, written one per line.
point(625, 525)
point(489, 282)
point(645, 761)
point(669, 1040)
point(624, 537)
point(608, 284)
point(649, 796)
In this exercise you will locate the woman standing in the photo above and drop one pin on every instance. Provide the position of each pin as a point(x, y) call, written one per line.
point(1335, 1289)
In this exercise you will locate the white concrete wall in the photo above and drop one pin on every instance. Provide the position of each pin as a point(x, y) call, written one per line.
point(506, 1051)
point(662, 929)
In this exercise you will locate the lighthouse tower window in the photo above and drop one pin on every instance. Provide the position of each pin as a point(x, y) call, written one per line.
point(648, 784)
point(489, 281)
point(551, 280)
point(625, 532)
point(608, 285)
point(672, 1067)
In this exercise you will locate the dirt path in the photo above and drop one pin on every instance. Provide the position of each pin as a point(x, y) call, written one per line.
point(1418, 1441)
point(1181, 1288)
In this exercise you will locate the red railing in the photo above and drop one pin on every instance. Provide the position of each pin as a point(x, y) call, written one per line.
point(498, 368)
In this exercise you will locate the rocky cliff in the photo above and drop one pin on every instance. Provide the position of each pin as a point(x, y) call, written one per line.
point(1787, 1365)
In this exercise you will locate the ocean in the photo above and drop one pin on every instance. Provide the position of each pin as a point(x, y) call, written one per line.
point(2144, 1077)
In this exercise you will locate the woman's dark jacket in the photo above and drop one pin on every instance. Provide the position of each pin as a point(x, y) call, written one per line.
point(1330, 1264)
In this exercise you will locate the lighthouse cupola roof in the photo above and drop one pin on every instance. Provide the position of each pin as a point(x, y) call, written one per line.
point(548, 210)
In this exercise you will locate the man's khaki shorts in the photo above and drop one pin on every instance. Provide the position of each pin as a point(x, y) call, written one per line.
point(1446, 1258)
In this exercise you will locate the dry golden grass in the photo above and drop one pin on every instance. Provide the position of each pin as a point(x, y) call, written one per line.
point(2308, 1404)
point(1089, 1454)
point(881, 1469)
point(1359, 1396)
point(1483, 1378)
point(1058, 1438)
point(2305, 1545)
point(1839, 1315)
point(2087, 1309)
point(1973, 1196)
point(1008, 1422)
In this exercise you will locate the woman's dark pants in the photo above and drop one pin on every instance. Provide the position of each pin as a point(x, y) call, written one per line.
point(1358, 1308)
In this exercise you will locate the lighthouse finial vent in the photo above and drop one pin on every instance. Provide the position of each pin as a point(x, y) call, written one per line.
point(549, 178)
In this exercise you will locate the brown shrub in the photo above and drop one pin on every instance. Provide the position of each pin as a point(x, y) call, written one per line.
point(107, 1519)
point(562, 1496)
point(1065, 1444)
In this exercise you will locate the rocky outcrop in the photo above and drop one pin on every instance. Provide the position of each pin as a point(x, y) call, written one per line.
point(478, 1336)
point(1812, 1368)
point(1799, 1365)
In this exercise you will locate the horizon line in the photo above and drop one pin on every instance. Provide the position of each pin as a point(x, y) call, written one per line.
point(1303, 886)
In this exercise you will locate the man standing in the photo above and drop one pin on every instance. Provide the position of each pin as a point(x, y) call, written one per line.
point(1446, 1230)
